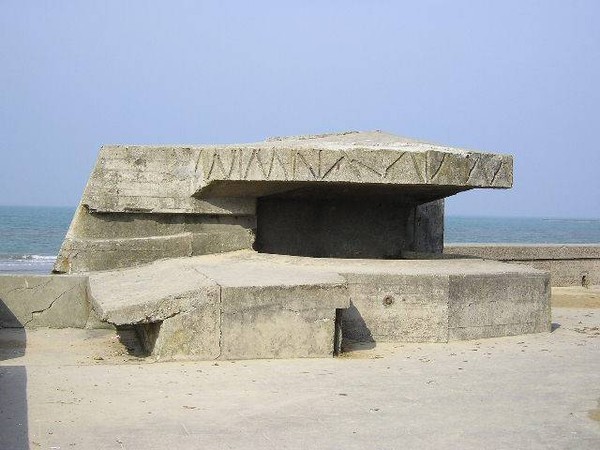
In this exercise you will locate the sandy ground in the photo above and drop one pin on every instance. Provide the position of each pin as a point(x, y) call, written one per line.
point(72, 389)
point(576, 297)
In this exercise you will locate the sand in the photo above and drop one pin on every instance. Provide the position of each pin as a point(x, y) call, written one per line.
point(87, 389)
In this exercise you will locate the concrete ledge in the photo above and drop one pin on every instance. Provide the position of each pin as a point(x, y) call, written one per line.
point(83, 255)
point(86, 255)
point(418, 300)
point(150, 293)
point(569, 265)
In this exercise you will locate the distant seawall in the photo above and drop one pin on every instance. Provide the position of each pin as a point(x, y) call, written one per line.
point(568, 264)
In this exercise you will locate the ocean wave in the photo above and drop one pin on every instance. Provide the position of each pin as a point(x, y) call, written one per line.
point(21, 257)
point(26, 264)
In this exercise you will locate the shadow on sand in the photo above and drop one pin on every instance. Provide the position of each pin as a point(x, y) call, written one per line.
point(14, 433)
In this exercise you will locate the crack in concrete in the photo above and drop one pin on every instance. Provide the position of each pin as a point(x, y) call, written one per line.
point(27, 287)
point(220, 294)
point(496, 173)
point(437, 171)
point(472, 169)
point(150, 319)
point(41, 311)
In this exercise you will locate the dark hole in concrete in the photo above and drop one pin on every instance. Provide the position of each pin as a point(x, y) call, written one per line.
point(334, 228)
point(337, 335)
point(133, 340)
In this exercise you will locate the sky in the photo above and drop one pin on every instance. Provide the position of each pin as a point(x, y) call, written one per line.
point(519, 77)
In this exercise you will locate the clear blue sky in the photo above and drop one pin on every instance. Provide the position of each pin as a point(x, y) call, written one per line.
point(520, 77)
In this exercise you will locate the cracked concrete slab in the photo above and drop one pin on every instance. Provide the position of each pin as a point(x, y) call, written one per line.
point(150, 293)
point(43, 301)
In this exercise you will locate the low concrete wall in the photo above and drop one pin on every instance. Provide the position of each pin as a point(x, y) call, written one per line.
point(54, 301)
point(569, 265)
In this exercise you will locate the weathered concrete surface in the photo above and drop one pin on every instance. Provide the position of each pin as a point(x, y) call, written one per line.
point(524, 252)
point(429, 227)
point(283, 164)
point(150, 293)
point(169, 179)
point(420, 300)
point(43, 301)
point(487, 305)
point(241, 305)
point(192, 334)
point(84, 255)
point(569, 265)
point(142, 203)
point(157, 179)
point(77, 389)
point(231, 306)
point(103, 241)
point(269, 305)
point(277, 311)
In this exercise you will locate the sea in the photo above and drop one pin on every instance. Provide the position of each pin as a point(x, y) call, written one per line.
point(30, 237)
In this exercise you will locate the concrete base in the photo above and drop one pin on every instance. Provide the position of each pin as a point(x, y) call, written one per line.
point(436, 300)
point(244, 305)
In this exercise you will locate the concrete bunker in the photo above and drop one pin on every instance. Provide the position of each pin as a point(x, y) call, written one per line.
point(286, 247)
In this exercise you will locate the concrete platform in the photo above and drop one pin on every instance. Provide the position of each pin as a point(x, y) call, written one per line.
point(82, 389)
point(430, 298)
point(243, 305)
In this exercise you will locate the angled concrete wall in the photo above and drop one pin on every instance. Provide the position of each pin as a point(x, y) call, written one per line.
point(101, 240)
